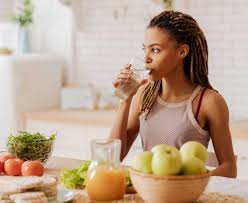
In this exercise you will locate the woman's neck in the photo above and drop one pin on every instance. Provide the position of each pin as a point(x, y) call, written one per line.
point(176, 86)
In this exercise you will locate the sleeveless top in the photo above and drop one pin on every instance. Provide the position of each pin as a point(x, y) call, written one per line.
point(172, 123)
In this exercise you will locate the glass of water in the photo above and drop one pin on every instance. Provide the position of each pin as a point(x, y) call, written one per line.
point(128, 87)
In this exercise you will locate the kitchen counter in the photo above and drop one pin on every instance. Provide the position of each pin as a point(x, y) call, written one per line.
point(217, 185)
point(239, 129)
point(52, 167)
point(83, 117)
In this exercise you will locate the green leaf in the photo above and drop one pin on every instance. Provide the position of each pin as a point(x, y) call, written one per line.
point(72, 179)
point(25, 17)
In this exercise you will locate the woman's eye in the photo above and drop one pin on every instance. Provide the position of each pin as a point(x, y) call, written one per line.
point(155, 50)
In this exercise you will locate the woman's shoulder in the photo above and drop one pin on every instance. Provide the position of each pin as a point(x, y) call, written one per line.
point(212, 96)
point(213, 102)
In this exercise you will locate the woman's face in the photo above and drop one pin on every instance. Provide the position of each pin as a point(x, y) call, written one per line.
point(162, 53)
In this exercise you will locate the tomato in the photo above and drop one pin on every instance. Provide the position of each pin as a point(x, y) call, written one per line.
point(1, 167)
point(19, 161)
point(32, 168)
point(13, 167)
point(5, 157)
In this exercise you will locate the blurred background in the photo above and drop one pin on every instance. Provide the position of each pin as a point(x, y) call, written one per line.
point(58, 59)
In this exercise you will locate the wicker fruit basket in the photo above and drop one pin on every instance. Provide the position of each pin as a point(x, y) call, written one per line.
point(173, 189)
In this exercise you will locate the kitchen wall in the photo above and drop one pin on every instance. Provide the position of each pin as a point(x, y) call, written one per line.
point(98, 37)
point(111, 32)
point(8, 32)
point(225, 25)
point(6, 8)
point(52, 32)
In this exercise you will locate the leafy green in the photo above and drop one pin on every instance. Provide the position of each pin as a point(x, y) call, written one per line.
point(29, 146)
point(75, 178)
point(128, 179)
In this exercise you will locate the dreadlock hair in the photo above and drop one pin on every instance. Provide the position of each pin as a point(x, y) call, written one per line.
point(185, 30)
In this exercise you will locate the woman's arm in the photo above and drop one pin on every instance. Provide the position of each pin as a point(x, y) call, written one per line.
point(126, 126)
point(218, 122)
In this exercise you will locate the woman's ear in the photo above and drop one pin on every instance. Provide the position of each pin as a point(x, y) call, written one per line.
point(183, 50)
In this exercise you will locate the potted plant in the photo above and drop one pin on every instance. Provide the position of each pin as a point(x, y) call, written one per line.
point(24, 17)
point(168, 4)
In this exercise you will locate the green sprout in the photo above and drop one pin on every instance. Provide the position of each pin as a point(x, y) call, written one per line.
point(24, 14)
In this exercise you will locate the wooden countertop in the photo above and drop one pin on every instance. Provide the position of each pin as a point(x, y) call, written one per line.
point(83, 117)
point(221, 186)
point(53, 167)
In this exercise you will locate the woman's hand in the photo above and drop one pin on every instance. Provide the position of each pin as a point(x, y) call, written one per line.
point(124, 77)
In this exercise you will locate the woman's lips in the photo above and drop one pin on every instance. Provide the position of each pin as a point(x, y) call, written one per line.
point(150, 71)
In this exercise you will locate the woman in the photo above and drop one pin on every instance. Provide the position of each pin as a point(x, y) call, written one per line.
point(178, 103)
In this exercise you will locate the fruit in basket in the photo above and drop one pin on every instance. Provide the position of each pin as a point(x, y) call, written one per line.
point(32, 168)
point(163, 189)
point(159, 148)
point(13, 167)
point(193, 166)
point(142, 162)
point(166, 161)
point(27, 146)
point(194, 149)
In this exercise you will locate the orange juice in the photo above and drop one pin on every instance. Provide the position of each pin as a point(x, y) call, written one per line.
point(106, 184)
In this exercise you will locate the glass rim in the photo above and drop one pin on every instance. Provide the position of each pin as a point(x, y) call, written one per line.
point(145, 68)
point(105, 141)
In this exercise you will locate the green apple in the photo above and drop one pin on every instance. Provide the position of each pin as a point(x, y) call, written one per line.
point(195, 149)
point(142, 162)
point(159, 148)
point(193, 166)
point(167, 161)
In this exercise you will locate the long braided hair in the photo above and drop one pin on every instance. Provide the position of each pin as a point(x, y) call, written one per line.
point(185, 30)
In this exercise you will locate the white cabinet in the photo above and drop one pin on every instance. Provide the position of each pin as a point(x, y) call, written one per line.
point(28, 82)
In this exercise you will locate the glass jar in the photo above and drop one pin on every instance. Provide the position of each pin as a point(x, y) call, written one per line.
point(105, 177)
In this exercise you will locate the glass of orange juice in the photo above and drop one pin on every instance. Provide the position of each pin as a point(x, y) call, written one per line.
point(105, 177)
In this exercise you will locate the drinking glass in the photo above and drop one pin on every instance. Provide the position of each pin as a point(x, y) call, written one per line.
point(125, 89)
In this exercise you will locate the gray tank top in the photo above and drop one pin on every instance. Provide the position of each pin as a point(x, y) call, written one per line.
point(172, 123)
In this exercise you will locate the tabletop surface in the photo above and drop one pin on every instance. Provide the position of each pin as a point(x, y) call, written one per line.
point(216, 184)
